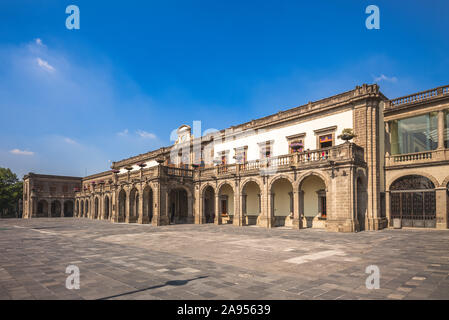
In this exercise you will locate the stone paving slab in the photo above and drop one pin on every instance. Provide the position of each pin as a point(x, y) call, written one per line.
point(130, 261)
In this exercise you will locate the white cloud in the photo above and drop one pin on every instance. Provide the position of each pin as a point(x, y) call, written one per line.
point(146, 135)
point(39, 42)
point(70, 141)
point(383, 77)
point(21, 152)
point(123, 133)
point(45, 65)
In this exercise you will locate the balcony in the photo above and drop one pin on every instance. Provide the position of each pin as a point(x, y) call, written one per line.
point(417, 157)
point(419, 97)
point(343, 152)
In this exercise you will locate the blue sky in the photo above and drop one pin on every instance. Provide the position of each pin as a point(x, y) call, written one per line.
point(73, 100)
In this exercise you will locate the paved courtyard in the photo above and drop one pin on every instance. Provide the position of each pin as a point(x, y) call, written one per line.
point(131, 261)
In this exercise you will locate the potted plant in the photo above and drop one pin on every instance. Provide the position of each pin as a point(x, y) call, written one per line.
point(347, 134)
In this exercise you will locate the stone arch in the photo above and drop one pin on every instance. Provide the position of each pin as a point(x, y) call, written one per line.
point(281, 200)
point(317, 173)
point(86, 207)
point(413, 173)
point(208, 196)
point(226, 203)
point(179, 204)
point(148, 204)
point(68, 208)
point(278, 177)
point(313, 191)
point(56, 208)
point(133, 205)
point(251, 201)
point(121, 205)
point(82, 208)
point(413, 200)
point(42, 208)
point(361, 199)
point(250, 179)
point(96, 208)
point(106, 207)
point(204, 186)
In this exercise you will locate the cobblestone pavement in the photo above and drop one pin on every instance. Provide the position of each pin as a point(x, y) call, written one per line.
point(131, 261)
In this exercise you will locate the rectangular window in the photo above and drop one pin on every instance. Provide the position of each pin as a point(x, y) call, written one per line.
point(296, 146)
point(446, 129)
point(415, 134)
point(241, 154)
point(326, 141)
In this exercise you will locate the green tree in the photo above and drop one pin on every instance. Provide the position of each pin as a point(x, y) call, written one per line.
point(10, 192)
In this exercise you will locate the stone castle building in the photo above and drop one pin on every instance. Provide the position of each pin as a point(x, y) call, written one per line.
point(294, 168)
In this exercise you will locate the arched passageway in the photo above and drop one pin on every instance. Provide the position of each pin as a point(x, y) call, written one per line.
point(106, 214)
point(148, 203)
point(251, 203)
point(82, 209)
point(97, 204)
point(68, 208)
point(413, 201)
point(86, 207)
point(313, 202)
point(55, 209)
point(226, 203)
point(281, 202)
point(178, 206)
point(361, 204)
point(121, 206)
point(133, 210)
point(42, 209)
point(209, 205)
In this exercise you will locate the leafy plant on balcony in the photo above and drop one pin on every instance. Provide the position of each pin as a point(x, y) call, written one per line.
point(347, 134)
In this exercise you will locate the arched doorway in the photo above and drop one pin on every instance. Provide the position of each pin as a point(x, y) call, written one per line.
point(82, 209)
point(413, 201)
point(96, 208)
point(106, 215)
point(42, 209)
point(313, 202)
point(133, 210)
point(121, 206)
point(55, 208)
point(209, 204)
point(251, 202)
point(148, 203)
point(281, 202)
point(226, 203)
point(68, 208)
point(87, 208)
point(362, 201)
point(178, 206)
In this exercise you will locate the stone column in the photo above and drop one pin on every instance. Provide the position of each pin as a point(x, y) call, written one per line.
point(297, 223)
point(388, 207)
point(143, 217)
point(217, 219)
point(441, 129)
point(441, 208)
point(244, 208)
point(238, 217)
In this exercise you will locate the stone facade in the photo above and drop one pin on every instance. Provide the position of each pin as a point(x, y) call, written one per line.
point(341, 187)
point(49, 196)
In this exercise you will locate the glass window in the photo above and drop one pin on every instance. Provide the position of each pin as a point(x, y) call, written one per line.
point(296, 146)
point(326, 141)
point(416, 134)
point(446, 129)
